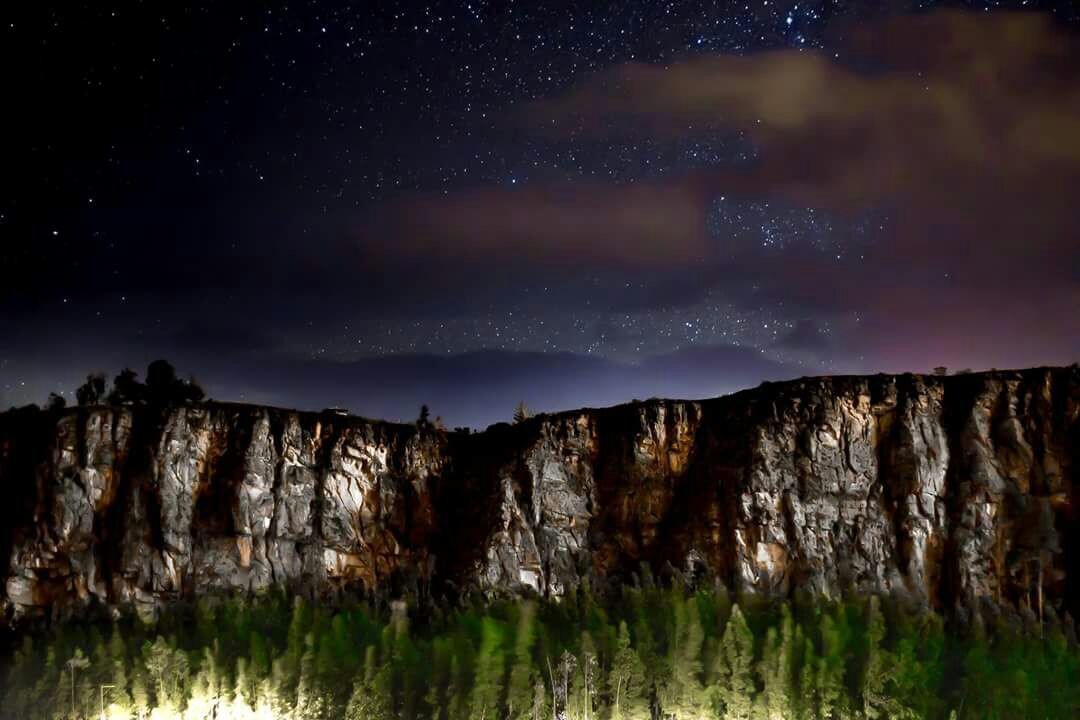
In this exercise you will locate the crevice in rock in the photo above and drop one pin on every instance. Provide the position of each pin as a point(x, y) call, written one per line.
point(958, 402)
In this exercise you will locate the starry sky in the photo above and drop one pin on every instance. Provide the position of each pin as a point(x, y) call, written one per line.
point(466, 204)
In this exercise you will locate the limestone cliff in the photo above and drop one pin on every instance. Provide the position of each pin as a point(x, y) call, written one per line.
point(947, 489)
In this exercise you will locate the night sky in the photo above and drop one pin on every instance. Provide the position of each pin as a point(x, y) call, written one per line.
point(466, 204)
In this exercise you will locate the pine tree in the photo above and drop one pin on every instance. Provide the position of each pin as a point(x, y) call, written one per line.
point(408, 670)
point(540, 704)
point(436, 695)
point(627, 680)
point(587, 671)
point(167, 668)
point(372, 697)
point(44, 694)
point(879, 698)
point(734, 691)
point(458, 693)
point(205, 686)
point(118, 696)
point(778, 668)
point(140, 694)
point(259, 656)
point(19, 680)
point(646, 646)
point(309, 698)
point(831, 693)
point(807, 682)
point(490, 668)
point(687, 694)
point(78, 661)
point(520, 690)
point(287, 669)
point(243, 690)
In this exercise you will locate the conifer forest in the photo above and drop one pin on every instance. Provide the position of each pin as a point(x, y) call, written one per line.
point(649, 653)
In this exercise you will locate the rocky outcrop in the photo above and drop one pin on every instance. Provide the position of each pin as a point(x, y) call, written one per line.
point(951, 490)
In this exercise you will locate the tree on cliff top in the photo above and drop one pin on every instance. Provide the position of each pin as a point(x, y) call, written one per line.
point(127, 388)
point(522, 412)
point(91, 392)
point(162, 388)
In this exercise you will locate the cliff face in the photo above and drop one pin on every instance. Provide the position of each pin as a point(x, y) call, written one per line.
point(950, 490)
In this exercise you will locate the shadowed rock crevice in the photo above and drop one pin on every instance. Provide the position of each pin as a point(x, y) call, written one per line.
point(1069, 519)
point(951, 491)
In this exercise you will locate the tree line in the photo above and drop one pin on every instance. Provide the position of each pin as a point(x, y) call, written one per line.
point(649, 653)
point(162, 388)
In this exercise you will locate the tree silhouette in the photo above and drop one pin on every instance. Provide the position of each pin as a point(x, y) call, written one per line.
point(127, 388)
point(162, 389)
point(91, 392)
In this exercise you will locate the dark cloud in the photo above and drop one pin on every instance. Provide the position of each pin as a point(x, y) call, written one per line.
point(638, 226)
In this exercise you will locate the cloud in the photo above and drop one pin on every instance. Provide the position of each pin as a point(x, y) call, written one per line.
point(959, 126)
point(632, 226)
point(915, 104)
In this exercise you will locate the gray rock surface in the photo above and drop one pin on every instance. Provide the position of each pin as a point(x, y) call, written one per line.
point(951, 490)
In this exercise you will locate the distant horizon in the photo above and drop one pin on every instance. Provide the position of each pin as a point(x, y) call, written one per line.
point(507, 417)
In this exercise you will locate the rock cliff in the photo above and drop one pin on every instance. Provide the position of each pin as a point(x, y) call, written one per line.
point(951, 490)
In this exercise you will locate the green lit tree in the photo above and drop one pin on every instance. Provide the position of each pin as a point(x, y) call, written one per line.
point(520, 692)
point(734, 690)
point(778, 670)
point(490, 670)
point(627, 680)
point(372, 698)
point(880, 700)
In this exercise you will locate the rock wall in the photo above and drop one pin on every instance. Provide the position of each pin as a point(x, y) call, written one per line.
point(951, 490)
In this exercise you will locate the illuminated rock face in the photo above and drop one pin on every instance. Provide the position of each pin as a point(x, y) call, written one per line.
point(948, 490)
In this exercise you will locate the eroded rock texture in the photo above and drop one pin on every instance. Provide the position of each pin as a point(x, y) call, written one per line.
point(949, 490)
